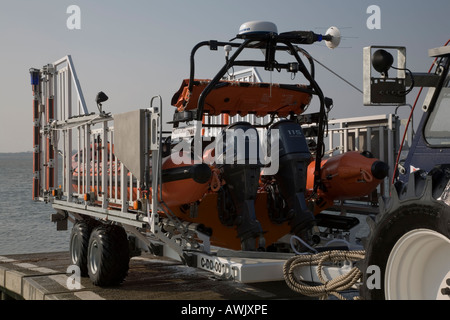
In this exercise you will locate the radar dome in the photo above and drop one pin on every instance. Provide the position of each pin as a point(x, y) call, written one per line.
point(261, 27)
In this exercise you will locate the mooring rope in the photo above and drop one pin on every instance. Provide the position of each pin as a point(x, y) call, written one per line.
point(328, 287)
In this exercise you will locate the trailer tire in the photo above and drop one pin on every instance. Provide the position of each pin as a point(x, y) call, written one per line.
point(409, 243)
point(78, 247)
point(108, 255)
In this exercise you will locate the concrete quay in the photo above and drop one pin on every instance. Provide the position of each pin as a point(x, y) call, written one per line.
point(44, 276)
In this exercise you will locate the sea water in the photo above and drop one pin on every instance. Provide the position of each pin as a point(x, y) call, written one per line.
point(25, 225)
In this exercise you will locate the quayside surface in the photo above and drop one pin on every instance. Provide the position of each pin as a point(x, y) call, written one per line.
point(43, 276)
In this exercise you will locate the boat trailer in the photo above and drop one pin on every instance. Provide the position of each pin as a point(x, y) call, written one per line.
point(110, 171)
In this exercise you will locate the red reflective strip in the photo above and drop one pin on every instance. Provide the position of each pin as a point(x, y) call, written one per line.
point(35, 193)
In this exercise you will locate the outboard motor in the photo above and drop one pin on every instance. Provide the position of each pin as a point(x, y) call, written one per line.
point(237, 152)
point(286, 195)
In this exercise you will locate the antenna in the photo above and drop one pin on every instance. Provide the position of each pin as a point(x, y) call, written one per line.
point(335, 35)
point(227, 50)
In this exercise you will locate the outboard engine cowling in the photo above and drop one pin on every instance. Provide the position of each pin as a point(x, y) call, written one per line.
point(240, 167)
point(286, 198)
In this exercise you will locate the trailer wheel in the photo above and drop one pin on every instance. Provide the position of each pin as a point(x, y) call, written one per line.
point(78, 248)
point(408, 250)
point(108, 255)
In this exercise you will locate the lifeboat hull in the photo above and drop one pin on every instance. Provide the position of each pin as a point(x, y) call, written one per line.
point(346, 176)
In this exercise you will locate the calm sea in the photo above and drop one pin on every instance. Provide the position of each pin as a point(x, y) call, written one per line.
point(25, 225)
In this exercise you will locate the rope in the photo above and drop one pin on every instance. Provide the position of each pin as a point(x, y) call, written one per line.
point(328, 287)
point(215, 182)
point(366, 176)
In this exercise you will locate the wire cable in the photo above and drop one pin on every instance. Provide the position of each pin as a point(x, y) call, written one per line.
point(337, 75)
point(404, 93)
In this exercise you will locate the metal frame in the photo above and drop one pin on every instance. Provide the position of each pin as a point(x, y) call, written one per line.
point(272, 43)
point(53, 104)
point(373, 86)
point(378, 134)
point(213, 125)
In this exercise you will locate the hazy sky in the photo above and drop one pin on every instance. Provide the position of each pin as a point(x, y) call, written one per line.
point(135, 49)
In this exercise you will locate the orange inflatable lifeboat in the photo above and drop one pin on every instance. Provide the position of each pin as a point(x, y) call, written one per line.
point(184, 183)
point(346, 176)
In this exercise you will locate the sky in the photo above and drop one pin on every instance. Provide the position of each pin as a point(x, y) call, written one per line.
point(136, 49)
